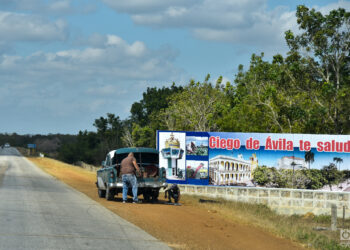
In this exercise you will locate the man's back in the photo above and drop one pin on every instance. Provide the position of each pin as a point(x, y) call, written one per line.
point(127, 166)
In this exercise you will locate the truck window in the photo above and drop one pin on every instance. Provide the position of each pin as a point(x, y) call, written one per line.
point(108, 161)
point(114, 159)
point(120, 157)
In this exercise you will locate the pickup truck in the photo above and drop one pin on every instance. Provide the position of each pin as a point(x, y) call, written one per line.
point(150, 181)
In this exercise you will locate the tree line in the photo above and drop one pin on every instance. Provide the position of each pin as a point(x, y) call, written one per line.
point(300, 179)
point(305, 91)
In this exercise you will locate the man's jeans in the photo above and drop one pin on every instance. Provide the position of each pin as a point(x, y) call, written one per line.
point(129, 180)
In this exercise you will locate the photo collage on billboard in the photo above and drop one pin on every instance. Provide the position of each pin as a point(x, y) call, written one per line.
point(197, 154)
point(184, 155)
point(230, 158)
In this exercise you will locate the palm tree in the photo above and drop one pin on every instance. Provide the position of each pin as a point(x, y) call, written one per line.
point(338, 160)
point(309, 157)
point(293, 165)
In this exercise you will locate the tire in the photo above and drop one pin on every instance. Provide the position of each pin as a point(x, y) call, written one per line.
point(155, 195)
point(109, 194)
point(101, 193)
point(146, 196)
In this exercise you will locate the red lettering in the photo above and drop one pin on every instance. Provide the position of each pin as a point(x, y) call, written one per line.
point(307, 146)
point(320, 146)
point(268, 143)
point(301, 145)
point(212, 143)
point(237, 144)
point(249, 143)
point(339, 147)
point(229, 144)
point(327, 146)
point(222, 144)
point(256, 144)
point(347, 147)
point(290, 146)
point(274, 144)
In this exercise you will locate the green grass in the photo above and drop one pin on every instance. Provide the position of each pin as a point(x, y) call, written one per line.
point(299, 228)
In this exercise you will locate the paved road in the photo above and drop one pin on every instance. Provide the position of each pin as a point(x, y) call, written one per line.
point(39, 212)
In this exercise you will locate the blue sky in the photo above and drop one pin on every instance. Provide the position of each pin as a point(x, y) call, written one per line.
point(64, 63)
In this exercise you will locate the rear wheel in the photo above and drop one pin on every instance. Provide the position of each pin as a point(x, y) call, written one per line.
point(110, 194)
point(155, 195)
point(146, 196)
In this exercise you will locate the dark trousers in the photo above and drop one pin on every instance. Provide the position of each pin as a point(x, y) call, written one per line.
point(172, 194)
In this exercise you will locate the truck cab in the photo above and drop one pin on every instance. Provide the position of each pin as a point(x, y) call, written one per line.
point(150, 181)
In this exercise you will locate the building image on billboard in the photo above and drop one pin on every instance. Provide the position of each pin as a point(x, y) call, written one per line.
point(228, 170)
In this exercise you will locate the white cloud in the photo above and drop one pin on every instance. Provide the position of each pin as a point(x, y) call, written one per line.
point(141, 6)
point(244, 22)
point(326, 9)
point(60, 6)
point(94, 80)
point(49, 7)
point(25, 27)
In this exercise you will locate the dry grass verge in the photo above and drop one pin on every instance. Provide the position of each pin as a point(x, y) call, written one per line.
point(296, 227)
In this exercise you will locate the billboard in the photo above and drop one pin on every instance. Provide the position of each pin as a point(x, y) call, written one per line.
point(225, 158)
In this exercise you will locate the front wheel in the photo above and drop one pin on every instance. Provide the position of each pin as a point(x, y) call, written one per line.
point(109, 194)
point(101, 193)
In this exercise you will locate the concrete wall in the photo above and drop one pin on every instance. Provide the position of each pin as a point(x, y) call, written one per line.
point(284, 201)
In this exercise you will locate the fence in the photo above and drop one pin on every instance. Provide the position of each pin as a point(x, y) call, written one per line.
point(284, 201)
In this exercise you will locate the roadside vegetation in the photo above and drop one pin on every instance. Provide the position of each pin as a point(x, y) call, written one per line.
point(304, 229)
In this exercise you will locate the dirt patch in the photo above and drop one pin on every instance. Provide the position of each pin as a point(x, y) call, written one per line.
point(181, 227)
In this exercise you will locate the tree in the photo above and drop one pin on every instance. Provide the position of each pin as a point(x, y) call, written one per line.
point(127, 138)
point(109, 130)
point(306, 92)
point(196, 108)
point(315, 179)
point(331, 174)
point(262, 176)
point(143, 136)
point(153, 101)
point(309, 157)
point(325, 45)
point(146, 114)
point(338, 160)
point(266, 100)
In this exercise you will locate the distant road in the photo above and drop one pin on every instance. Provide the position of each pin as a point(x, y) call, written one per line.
point(9, 152)
point(39, 212)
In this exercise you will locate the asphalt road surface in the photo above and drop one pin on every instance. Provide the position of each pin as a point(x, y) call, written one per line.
point(39, 212)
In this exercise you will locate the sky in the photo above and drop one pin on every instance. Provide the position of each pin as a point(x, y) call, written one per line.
point(65, 63)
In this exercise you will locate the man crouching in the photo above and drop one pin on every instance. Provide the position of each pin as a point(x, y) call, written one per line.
point(173, 192)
